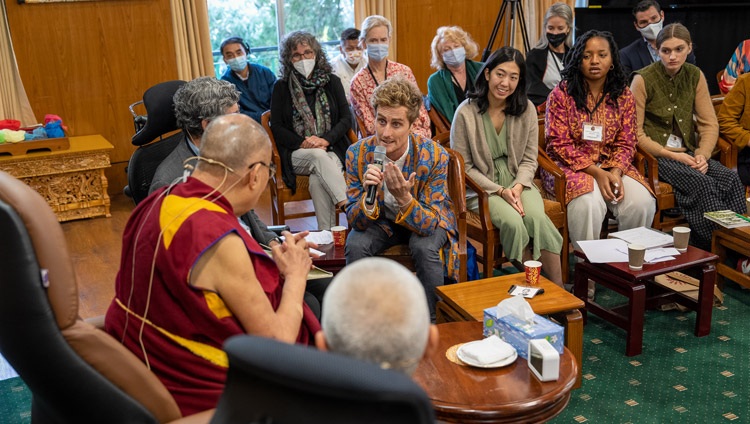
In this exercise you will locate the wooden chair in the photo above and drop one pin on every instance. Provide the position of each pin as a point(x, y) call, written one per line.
point(457, 192)
point(725, 152)
point(361, 128)
point(719, 77)
point(280, 193)
point(439, 122)
point(479, 225)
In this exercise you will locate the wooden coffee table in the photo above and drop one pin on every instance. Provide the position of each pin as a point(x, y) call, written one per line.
point(467, 302)
point(641, 293)
point(732, 239)
point(512, 394)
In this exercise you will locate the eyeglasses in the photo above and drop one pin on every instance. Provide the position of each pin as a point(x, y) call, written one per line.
point(271, 167)
point(308, 54)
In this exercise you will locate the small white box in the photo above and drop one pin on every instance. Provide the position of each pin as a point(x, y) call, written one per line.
point(544, 361)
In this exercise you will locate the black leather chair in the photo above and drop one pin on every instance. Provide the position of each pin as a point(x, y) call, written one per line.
point(273, 382)
point(75, 371)
point(153, 146)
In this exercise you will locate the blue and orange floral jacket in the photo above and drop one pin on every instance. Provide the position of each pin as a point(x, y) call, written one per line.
point(431, 205)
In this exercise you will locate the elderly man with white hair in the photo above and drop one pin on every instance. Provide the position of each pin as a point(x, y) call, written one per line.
point(376, 311)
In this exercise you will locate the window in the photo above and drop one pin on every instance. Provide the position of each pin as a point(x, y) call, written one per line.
point(258, 23)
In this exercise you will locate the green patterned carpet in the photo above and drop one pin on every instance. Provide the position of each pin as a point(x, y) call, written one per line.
point(677, 378)
point(15, 401)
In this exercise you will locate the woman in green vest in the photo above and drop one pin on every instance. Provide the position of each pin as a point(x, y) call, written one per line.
point(668, 93)
point(452, 51)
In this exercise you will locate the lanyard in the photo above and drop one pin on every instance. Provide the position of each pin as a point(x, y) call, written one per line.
point(373, 75)
point(469, 83)
point(557, 63)
point(591, 112)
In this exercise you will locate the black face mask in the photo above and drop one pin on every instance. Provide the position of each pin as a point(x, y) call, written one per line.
point(556, 39)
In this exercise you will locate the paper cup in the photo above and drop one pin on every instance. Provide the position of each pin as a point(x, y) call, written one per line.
point(747, 204)
point(636, 253)
point(533, 269)
point(339, 235)
point(681, 238)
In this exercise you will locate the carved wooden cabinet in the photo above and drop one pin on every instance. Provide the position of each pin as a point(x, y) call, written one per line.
point(72, 181)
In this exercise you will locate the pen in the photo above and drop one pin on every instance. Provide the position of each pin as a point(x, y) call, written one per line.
point(742, 217)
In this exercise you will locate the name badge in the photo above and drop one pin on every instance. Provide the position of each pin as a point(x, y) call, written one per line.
point(592, 132)
point(674, 142)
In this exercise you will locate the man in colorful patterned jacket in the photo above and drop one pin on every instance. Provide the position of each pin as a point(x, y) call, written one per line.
point(413, 206)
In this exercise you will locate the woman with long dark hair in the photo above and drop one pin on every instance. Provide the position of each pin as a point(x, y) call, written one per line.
point(590, 128)
point(310, 119)
point(496, 132)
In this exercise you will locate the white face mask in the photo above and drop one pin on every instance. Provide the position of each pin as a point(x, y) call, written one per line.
point(454, 57)
point(353, 57)
point(305, 66)
point(650, 31)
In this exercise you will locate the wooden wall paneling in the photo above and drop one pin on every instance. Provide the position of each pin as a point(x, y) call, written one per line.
point(88, 61)
point(418, 20)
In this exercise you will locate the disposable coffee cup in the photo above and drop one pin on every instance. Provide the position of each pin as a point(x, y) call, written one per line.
point(747, 204)
point(339, 235)
point(533, 269)
point(636, 253)
point(681, 237)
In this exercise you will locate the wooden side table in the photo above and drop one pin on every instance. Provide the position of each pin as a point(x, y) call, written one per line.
point(467, 302)
point(71, 181)
point(733, 239)
point(637, 287)
point(511, 394)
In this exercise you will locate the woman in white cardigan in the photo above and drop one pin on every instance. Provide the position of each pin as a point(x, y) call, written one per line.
point(496, 131)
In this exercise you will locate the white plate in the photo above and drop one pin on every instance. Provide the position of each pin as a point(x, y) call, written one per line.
point(501, 363)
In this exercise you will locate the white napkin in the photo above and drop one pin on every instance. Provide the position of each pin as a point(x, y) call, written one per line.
point(488, 351)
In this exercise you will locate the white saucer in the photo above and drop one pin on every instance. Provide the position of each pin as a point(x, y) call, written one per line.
point(501, 363)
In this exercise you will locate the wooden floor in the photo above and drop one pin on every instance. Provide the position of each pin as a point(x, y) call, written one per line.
point(95, 245)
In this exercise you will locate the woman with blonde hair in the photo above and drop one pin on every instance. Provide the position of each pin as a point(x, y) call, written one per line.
point(452, 51)
point(545, 60)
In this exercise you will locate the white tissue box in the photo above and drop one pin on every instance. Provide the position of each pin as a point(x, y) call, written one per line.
point(544, 361)
point(518, 332)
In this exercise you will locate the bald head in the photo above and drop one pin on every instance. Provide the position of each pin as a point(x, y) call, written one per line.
point(376, 310)
point(234, 140)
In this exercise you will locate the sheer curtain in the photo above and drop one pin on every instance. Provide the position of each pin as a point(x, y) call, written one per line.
point(14, 104)
point(191, 39)
point(386, 8)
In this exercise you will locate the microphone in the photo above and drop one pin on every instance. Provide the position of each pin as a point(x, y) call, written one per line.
point(372, 191)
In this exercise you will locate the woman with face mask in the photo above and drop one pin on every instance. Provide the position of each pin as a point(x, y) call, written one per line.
point(452, 51)
point(677, 124)
point(545, 61)
point(310, 119)
point(375, 38)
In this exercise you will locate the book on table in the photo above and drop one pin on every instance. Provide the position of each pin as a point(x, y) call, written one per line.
point(648, 237)
point(727, 219)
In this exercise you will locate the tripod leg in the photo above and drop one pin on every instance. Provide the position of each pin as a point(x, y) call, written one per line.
point(493, 35)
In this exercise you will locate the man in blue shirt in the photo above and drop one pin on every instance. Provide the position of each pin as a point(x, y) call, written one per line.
point(255, 82)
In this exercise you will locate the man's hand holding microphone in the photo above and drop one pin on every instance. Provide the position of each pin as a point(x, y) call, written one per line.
point(398, 186)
